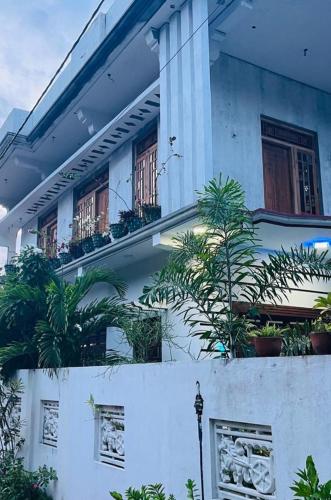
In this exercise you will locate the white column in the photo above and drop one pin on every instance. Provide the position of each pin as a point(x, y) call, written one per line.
point(185, 106)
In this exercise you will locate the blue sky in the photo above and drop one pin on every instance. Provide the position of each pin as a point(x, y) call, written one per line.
point(35, 36)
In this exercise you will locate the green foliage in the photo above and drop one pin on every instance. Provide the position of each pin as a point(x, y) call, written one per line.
point(155, 492)
point(143, 335)
point(296, 341)
point(324, 303)
point(321, 326)
point(43, 323)
point(10, 421)
point(268, 331)
point(210, 271)
point(308, 486)
point(16, 483)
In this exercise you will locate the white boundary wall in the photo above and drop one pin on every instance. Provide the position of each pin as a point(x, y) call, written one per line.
point(292, 395)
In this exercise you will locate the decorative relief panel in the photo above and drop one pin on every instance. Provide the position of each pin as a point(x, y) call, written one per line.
point(50, 418)
point(110, 430)
point(244, 461)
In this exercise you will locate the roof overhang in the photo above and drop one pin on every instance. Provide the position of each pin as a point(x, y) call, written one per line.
point(155, 240)
point(87, 159)
point(140, 11)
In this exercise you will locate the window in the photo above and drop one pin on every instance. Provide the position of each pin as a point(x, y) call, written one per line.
point(47, 233)
point(93, 351)
point(146, 171)
point(291, 182)
point(91, 213)
point(147, 340)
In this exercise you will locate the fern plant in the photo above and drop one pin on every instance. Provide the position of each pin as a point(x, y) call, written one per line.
point(155, 492)
point(309, 487)
point(209, 272)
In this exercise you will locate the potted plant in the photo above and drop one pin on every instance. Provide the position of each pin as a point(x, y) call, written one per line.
point(87, 245)
point(55, 262)
point(131, 219)
point(320, 336)
point(150, 212)
point(75, 248)
point(63, 254)
point(118, 230)
point(267, 340)
point(106, 237)
point(98, 240)
point(10, 268)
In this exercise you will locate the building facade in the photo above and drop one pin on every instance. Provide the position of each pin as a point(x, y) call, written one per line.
point(158, 98)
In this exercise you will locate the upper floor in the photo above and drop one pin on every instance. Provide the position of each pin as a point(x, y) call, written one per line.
point(168, 95)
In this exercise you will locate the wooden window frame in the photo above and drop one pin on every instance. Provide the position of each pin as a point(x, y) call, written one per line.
point(145, 177)
point(294, 148)
point(46, 226)
point(90, 190)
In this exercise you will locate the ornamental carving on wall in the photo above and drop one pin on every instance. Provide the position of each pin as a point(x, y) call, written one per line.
point(50, 419)
point(244, 461)
point(111, 430)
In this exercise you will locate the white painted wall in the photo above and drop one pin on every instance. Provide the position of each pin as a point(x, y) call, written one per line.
point(65, 214)
point(28, 237)
point(292, 395)
point(120, 180)
point(185, 111)
point(241, 93)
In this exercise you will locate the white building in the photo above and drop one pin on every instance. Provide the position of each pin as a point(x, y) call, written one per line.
point(173, 93)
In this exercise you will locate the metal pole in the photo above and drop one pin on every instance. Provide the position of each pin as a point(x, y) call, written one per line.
point(198, 405)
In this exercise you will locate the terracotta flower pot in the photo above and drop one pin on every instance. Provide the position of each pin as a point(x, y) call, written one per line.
point(321, 342)
point(268, 346)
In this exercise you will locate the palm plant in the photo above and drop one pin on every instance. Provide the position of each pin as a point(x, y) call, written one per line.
point(208, 272)
point(46, 326)
point(155, 492)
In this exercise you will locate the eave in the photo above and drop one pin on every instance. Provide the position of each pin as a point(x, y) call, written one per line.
point(140, 11)
point(87, 159)
point(155, 239)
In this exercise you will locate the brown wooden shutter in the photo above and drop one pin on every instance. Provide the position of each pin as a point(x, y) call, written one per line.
point(85, 212)
point(102, 206)
point(146, 171)
point(278, 190)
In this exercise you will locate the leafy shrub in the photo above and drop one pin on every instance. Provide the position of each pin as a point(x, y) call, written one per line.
point(309, 487)
point(296, 341)
point(155, 492)
point(268, 331)
point(16, 483)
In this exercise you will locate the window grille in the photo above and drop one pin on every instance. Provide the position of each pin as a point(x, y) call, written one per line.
point(290, 166)
point(50, 418)
point(146, 171)
point(244, 461)
point(92, 207)
point(47, 234)
point(111, 429)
